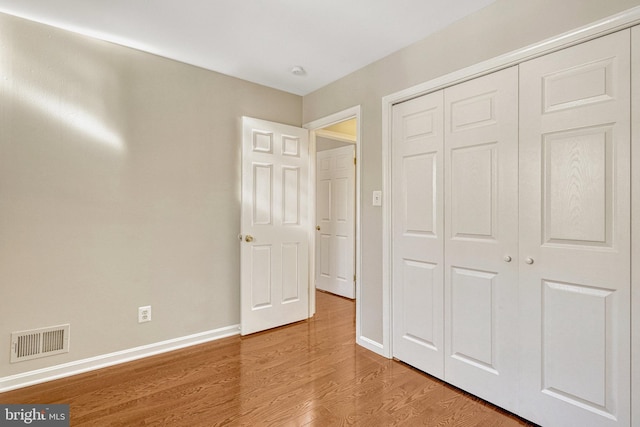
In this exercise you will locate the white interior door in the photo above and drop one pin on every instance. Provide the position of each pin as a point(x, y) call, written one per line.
point(417, 222)
point(275, 225)
point(335, 217)
point(481, 236)
point(575, 235)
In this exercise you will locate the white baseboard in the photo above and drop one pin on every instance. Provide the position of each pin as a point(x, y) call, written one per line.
point(371, 345)
point(77, 367)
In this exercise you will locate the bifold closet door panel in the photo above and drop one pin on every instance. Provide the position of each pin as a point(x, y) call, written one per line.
point(575, 235)
point(417, 221)
point(481, 236)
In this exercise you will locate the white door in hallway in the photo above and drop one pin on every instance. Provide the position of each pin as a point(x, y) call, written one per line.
point(418, 233)
point(274, 226)
point(575, 235)
point(335, 217)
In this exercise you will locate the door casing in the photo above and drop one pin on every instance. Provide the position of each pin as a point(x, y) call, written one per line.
point(313, 126)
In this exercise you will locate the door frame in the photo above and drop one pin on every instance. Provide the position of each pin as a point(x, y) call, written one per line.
point(314, 127)
point(596, 29)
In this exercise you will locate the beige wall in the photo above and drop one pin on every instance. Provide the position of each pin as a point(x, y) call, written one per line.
point(119, 187)
point(323, 144)
point(504, 26)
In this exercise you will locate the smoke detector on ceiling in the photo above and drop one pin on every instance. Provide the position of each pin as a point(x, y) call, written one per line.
point(298, 70)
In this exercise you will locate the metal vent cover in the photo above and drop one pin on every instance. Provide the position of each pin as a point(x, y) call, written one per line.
point(36, 343)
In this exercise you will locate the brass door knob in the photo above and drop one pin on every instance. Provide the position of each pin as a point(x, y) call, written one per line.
point(248, 238)
point(318, 227)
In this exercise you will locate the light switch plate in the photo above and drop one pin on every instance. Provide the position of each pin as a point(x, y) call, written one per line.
point(377, 198)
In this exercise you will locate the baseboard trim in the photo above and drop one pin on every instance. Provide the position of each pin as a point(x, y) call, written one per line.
point(371, 345)
point(98, 362)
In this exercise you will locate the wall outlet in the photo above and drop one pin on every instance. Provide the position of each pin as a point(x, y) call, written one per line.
point(144, 314)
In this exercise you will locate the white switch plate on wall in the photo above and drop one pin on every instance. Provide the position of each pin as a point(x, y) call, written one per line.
point(377, 198)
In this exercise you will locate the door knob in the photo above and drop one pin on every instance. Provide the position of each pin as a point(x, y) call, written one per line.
point(529, 261)
point(248, 238)
point(507, 258)
point(318, 227)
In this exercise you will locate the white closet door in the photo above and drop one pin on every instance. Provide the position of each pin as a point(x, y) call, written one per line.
point(417, 222)
point(481, 236)
point(575, 235)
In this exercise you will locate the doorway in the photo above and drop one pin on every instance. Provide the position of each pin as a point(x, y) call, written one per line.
point(335, 209)
point(343, 127)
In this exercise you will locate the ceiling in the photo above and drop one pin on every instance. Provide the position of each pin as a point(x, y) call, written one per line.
point(256, 40)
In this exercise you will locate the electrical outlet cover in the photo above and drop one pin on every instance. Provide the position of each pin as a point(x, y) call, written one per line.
point(144, 314)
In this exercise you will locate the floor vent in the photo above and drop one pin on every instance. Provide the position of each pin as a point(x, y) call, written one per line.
point(36, 343)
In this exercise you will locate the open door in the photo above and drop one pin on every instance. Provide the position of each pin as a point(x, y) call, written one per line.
point(274, 226)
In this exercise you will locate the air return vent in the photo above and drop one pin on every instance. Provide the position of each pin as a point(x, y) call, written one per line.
point(36, 343)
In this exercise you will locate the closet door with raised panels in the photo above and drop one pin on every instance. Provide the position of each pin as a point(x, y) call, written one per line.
point(481, 236)
point(575, 235)
point(418, 233)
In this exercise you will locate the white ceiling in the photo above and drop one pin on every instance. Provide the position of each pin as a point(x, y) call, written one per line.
point(256, 40)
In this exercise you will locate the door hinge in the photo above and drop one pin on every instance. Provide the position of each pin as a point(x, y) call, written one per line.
point(354, 278)
point(355, 160)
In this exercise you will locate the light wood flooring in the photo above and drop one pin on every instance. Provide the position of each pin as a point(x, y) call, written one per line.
point(306, 374)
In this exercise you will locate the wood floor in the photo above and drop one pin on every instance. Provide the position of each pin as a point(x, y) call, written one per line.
point(309, 373)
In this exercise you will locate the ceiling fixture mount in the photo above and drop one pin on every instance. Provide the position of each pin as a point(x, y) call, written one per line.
point(298, 70)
